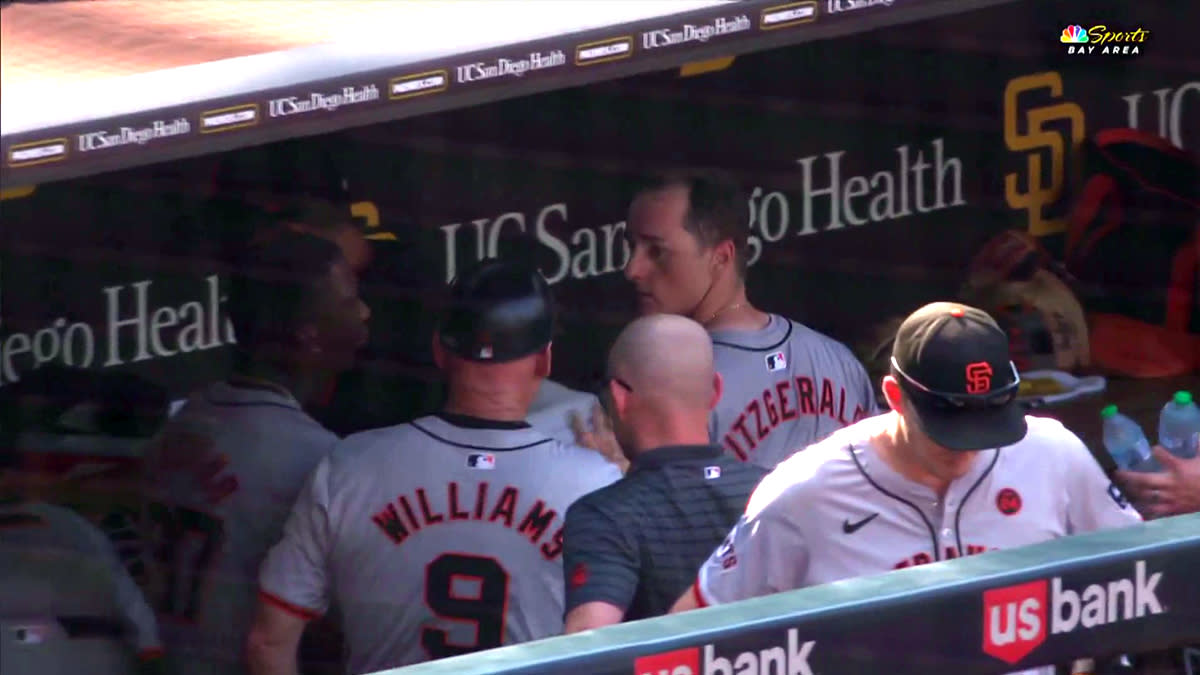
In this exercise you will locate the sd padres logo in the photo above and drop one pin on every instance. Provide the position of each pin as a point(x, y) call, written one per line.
point(1049, 134)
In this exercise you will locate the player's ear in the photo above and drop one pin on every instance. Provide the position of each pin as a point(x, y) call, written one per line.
point(718, 390)
point(723, 254)
point(619, 396)
point(891, 392)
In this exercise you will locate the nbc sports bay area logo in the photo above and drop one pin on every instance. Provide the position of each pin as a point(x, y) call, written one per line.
point(791, 659)
point(1018, 619)
point(1102, 40)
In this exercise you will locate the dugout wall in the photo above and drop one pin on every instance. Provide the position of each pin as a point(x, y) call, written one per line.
point(884, 144)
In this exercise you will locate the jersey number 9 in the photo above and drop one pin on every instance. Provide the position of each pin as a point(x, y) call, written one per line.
point(465, 589)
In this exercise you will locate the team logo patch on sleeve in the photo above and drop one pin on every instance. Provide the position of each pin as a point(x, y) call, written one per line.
point(579, 576)
point(481, 460)
point(776, 361)
point(712, 472)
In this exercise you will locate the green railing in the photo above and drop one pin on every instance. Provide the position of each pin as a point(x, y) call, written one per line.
point(1124, 591)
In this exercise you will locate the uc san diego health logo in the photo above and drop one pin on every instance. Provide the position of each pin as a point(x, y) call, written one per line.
point(1086, 41)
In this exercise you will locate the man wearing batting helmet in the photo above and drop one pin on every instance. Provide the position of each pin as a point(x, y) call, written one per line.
point(955, 469)
point(442, 536)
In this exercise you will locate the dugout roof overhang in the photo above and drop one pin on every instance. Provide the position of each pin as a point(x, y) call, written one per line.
point(94, 86)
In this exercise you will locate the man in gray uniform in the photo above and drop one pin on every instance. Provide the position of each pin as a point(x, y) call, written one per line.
point(442, 536)
point(221, 476)
point(786, 385)
point(67, 603)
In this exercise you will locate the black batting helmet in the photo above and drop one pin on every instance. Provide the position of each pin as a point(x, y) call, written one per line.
point(498, 311)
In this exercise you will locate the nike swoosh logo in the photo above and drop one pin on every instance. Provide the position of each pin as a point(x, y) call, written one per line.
point(851, 528)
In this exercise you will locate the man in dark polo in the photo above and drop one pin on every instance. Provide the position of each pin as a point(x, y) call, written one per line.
point(632, 548)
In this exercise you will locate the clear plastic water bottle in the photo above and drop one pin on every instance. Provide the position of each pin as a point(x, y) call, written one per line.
point(1125, 441)
point(1179, 425)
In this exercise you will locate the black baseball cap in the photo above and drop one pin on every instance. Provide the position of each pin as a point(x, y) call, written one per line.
point(952, 361)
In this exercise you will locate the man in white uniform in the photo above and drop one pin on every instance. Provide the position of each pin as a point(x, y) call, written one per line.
point(222, 475)
point(443, 536)
point(955, 469)
point(786, 385)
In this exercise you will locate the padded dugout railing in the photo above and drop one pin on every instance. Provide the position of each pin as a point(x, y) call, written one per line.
point(1124, 591)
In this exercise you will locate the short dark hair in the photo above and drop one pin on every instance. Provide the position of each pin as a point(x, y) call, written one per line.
point(317, 215)
point(273, 284)
point(716, 207)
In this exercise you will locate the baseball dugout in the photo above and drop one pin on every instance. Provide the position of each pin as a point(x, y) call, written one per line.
point(1093, 596)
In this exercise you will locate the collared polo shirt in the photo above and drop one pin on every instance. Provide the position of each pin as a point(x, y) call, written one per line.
point(638, 543)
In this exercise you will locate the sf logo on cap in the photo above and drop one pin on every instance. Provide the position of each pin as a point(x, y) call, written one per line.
point(979, 377)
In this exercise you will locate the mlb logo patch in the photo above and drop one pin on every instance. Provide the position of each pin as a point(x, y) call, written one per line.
point(481, 460)
point(712, 472)
point(776, 361)
point(32, 634)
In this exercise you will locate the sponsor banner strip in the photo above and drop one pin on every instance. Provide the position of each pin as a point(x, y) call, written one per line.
point(421, 88)
point(1123, 591)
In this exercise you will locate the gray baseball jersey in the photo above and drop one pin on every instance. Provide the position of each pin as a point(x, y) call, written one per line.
point(220, 479)
point(435, 538)
point(786, 387)
point(58, 566)
point(837, 511)
point(551, 411)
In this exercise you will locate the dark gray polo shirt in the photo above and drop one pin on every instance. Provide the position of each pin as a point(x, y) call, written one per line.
point(638, 543)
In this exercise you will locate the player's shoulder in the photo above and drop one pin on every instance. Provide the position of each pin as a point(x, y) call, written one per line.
point(219, 407)
point(592, 467)
point(1048, 442)
point(810, 337)
point(1047, 435)
point(553, 394)
point(606, 501)
point(363, 445)
point(813, 470)
point(64, 526)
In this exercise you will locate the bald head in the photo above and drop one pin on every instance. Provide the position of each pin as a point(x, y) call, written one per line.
point(666, 358)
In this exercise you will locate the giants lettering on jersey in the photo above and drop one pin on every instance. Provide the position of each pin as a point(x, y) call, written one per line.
point(400, 520)
point(786, 401)
point(950, 553)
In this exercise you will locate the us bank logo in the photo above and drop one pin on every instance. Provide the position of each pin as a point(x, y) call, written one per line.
point(1101, 40)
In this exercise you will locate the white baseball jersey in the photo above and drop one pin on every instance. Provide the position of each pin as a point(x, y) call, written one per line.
point(786, 387)
point(551, 411)
point(67, 604)
point(435, 538)
point(837, 511)
point(220, 479)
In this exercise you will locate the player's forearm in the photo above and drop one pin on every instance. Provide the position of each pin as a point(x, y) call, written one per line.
point(591, 615)
point(264, 658)
point(686, 602)
point(273, 643)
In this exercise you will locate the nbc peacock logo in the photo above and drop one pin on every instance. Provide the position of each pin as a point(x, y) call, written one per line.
point(1073, 35)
